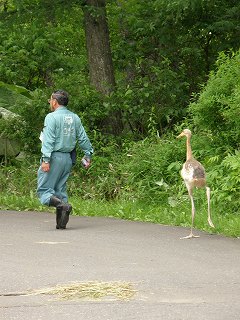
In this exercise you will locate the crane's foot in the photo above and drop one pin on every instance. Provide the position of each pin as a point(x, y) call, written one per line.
point(190, 236)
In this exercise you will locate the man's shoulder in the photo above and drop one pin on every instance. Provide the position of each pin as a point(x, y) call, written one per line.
point(74, 114)
point(49, 116)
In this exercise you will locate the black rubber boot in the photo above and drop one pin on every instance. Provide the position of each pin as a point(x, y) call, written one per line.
point(58, 217)
point(54, 202)
point(66, 210)
point(60, 211)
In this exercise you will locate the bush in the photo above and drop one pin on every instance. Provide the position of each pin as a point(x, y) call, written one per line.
point(217, 109)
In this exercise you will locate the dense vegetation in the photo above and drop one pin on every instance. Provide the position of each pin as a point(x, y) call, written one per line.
point(176, 65)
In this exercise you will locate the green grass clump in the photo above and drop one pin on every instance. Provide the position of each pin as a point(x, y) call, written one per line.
point(180, 215)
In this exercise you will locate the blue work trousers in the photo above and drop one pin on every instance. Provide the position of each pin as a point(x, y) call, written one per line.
point(53, 182)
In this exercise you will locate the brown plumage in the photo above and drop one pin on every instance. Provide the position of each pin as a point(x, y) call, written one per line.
point(193, 174)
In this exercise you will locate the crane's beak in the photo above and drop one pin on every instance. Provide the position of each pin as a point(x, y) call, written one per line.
point(180, 135)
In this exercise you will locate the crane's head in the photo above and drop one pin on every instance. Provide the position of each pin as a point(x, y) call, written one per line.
point(185, 133)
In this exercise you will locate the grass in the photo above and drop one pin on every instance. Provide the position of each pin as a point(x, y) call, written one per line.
point(92, 290)
point(171, 206)
point(178, 214)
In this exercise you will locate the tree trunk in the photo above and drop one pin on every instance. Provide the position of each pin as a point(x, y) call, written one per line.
point(100, 63)
point(98, 46)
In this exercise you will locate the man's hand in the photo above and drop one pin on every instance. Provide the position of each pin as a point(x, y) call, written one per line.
point(86, 162)
point(45, 166)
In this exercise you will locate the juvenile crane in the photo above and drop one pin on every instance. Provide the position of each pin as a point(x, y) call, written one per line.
point(193, 174)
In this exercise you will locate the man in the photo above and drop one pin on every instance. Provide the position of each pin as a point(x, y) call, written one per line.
point(62, 130)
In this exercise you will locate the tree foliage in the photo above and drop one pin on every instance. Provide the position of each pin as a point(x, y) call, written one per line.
point(167, 49)
point(217, 108)
point(162, 53)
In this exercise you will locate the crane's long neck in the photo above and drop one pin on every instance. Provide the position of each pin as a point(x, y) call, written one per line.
point(189, 149)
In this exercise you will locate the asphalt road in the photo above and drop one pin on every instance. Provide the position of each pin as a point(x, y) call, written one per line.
point(173, 279)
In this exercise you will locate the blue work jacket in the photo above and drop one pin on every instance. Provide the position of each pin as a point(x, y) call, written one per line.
point(62, 131)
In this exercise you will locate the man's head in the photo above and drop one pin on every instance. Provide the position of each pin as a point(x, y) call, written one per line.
point(58, 98)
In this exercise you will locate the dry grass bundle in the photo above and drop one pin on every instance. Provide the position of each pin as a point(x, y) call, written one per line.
point(92, 290)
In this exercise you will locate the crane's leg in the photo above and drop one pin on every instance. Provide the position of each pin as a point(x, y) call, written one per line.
point(209, 215)
point(191, 235)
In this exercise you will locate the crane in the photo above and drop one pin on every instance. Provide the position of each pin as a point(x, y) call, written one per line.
point(193, 174)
